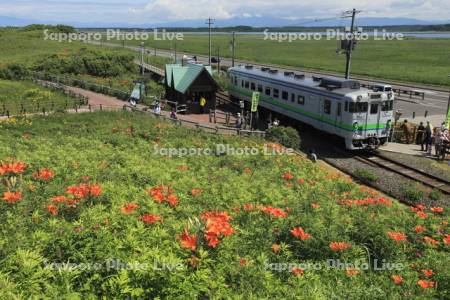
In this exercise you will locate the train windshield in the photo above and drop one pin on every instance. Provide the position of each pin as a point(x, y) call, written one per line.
point(387, 105)
point(358, 107)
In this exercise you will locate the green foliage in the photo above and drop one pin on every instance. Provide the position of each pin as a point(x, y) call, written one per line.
point(365, 175)
point(286, 136)
point(435, 194)
point(57, 28)
point(94, 250)
point(18, 95)
point(413, 193)
point(14, 72)
point(91, 62)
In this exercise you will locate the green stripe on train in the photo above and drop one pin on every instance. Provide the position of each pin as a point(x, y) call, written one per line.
point(312, 115)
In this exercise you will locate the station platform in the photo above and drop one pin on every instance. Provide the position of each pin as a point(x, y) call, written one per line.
point(411, 149)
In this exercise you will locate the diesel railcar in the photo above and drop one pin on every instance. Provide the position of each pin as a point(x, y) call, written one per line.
point(361, 116)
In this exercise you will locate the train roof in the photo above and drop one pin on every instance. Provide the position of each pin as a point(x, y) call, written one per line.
point(329, 84)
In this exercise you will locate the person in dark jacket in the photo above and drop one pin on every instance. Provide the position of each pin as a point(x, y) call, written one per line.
point(420, 138)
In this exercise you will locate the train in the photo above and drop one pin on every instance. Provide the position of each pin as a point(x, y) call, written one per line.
point(342, 107)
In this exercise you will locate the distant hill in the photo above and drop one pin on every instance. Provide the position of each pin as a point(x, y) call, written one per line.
point(253, 22)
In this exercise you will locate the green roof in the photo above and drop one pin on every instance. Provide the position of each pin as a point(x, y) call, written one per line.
point(184, 76)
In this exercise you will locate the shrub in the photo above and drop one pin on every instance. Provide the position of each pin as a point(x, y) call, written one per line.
point(412, 193)
point(14, 72)
point(92, 62)
point(286, 136)
point(365, 175)
point(435, 195)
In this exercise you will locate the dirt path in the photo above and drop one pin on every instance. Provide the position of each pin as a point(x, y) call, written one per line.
point(97, 98)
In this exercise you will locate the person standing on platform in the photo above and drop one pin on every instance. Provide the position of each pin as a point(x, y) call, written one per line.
point(420, 136)
point(428, 137)
point(406, 131)
point(202, 105)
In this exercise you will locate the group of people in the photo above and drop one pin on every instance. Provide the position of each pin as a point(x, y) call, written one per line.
point(427, 136)
point(157, 110)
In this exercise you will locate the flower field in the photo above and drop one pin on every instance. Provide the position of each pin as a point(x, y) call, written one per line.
point(89, 209)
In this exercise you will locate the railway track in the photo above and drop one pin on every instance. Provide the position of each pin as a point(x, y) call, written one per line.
point(407, 171)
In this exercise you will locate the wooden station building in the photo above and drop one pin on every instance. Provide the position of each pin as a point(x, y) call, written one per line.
point(187, 83)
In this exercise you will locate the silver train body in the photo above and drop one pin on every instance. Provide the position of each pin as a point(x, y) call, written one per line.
point(361, 116)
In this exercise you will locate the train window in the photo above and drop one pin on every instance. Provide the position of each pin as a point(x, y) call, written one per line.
point(362, 107)
point(358, 107)
point(373, 108)
point(339, 108)
point(301, 100)
point(260, 89)
point(276, 93)
point(247, 84)
point(235, 81)
point(387, 105)
point(252, 86)
point(292, 98)
point(346, 106)
point(242, 83)
point(285, 95)
point(327, 107)
point(268, 91)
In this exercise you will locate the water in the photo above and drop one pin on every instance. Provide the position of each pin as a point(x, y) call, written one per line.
point(419, 35)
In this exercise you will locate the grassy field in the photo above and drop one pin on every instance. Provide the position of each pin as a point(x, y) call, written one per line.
point(15, 95)
point(411, 60)
point(29, 49)
point(121, 220)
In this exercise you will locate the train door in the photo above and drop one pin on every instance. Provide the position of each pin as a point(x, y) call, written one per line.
point(338, 117)
point(374, 116)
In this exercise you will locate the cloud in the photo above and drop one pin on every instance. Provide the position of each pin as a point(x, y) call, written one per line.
point(159, 11)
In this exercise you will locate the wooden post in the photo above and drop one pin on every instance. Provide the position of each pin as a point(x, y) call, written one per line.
point(101, 107)
point(90, 108)
point(7, 113)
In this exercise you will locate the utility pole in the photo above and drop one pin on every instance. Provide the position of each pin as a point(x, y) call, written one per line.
point(233, 45)
point(350, 43)
point(209, 22)
point(142, 58)
point(175, 52)
point(218, 60)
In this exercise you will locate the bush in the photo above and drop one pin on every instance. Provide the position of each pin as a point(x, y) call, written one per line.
point(412, 193)
point(435, 195)
point(286, 136)
point(365, 175)
point(92, 62)
point(14, 72)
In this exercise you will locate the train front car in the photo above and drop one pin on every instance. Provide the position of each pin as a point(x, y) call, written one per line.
point(371, 115)
point(361, 116)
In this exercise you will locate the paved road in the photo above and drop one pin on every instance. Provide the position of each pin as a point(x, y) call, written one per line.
point(434, 104)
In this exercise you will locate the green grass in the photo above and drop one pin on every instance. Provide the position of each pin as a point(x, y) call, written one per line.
point(116, 152)
point(411, 60)
point(16, 95)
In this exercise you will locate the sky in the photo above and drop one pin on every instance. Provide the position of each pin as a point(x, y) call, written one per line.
point(161, 11)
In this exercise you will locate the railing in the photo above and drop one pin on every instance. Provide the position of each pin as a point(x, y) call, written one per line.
point(213, 129)
point(84, 84)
